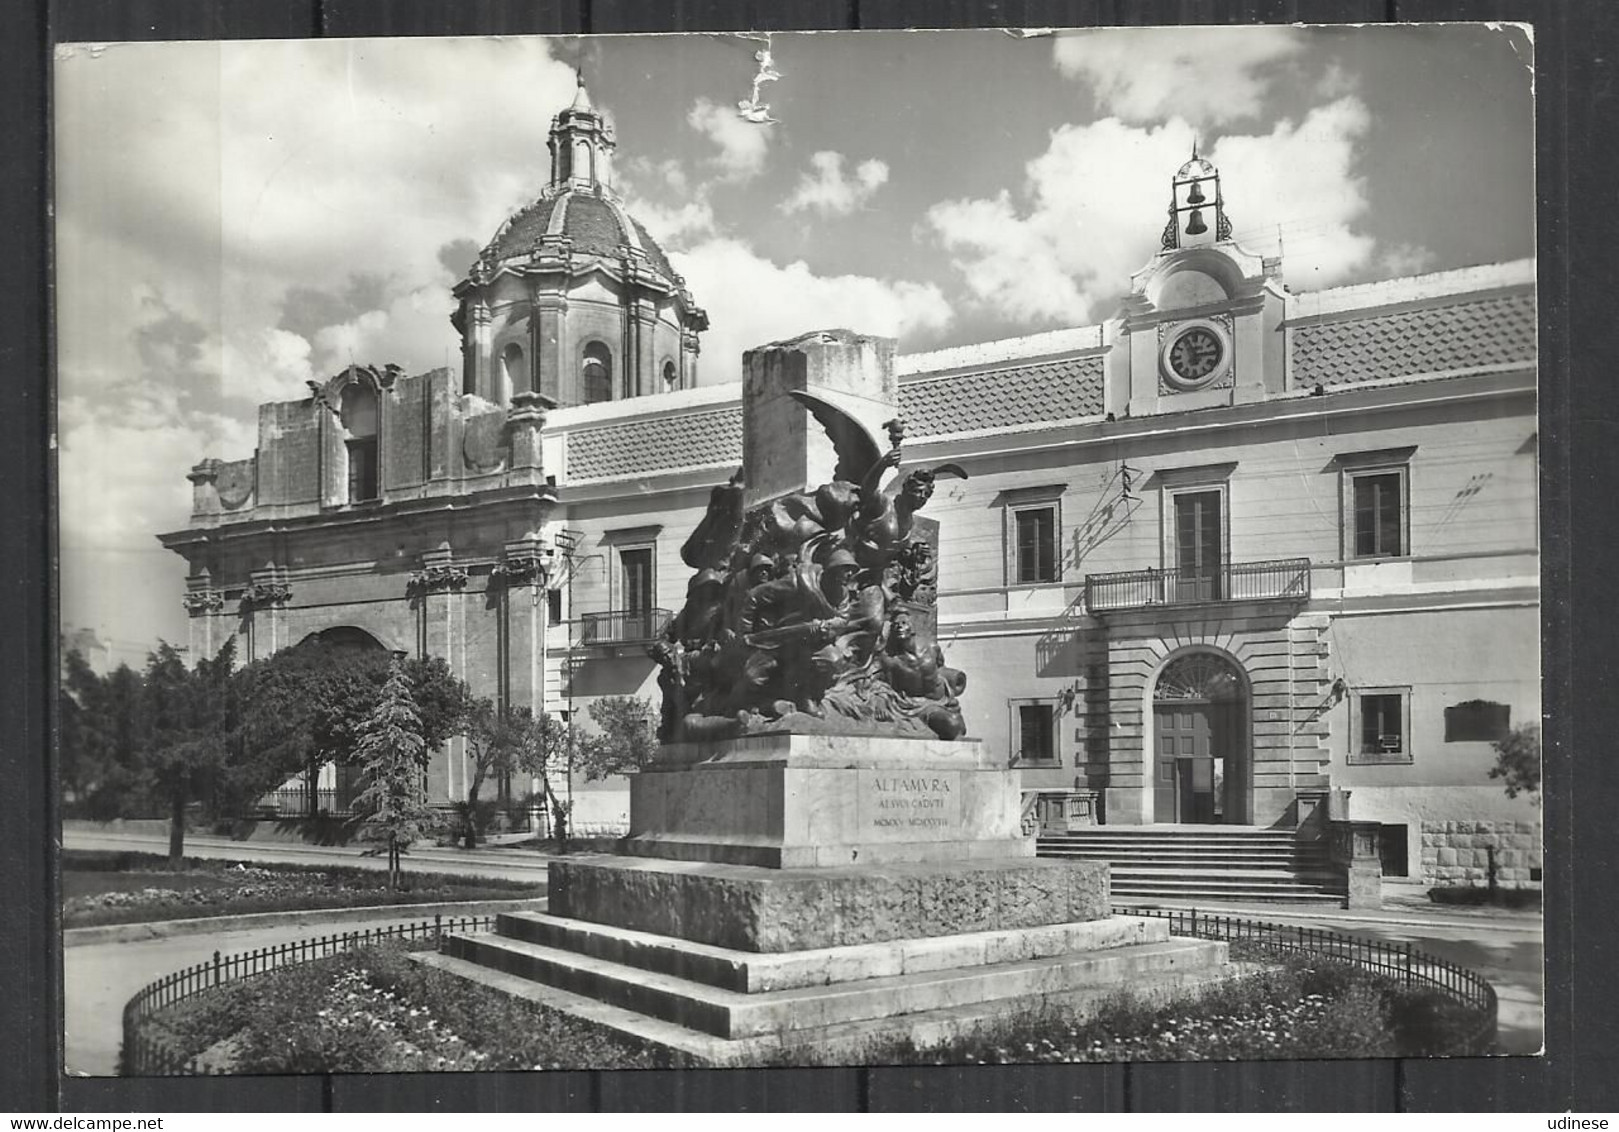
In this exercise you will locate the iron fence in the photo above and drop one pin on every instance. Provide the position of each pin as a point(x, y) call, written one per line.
point(1398, 961)
point(293, 801)
point(144, 1055)
point(1282, 579)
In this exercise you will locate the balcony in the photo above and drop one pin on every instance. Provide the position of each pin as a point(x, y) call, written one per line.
point(1286, 579)
point(622, 626)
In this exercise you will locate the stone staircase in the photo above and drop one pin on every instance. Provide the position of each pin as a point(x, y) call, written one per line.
point(826, 1005)
point(1238, 863)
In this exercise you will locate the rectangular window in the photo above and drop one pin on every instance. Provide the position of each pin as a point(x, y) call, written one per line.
point(1379, 503)
point(1199, 545)
point(637, 576)
point(1382, 728)
point(362, 469)
point(553, 606)
point(1036, 545)
point(1036, 738)
point(635, 566)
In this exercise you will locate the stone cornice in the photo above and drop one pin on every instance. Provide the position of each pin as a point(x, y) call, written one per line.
point(523, 569)
point(437, 578)
point(198, 602)
point(262, 594)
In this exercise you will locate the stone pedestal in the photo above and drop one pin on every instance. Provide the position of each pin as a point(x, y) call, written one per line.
point(747, 908)
point(795, 801)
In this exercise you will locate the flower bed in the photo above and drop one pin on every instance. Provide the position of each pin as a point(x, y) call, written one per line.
point(132, 888)
point(1290, 1007)
point(370, 1010)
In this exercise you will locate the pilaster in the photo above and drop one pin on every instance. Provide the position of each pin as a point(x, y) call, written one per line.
point(263, 603)
point(522, 574)
point(204, 488)
point(480, 349)
point(204, 603)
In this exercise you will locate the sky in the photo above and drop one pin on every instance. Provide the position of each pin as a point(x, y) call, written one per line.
point(235, 219)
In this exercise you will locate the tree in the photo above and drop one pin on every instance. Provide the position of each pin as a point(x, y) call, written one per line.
point(495, 746)
point(392, 754)
point(627, 739)
point(1517, 761)
point(304, 706)
point(190, 754)
point(545, 747)
point(100, 738)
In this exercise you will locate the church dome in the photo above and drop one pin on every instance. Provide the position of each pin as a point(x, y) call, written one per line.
point(590, 217)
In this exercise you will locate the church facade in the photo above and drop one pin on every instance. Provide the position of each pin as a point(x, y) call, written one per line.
point(1231, 551)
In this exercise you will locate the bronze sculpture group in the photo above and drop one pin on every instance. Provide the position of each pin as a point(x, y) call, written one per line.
point(813, 611)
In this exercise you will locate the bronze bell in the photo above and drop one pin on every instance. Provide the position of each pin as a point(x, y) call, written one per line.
point(1195, 226)
point(1196, 195)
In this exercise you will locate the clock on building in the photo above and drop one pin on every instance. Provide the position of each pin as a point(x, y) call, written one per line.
point(1194, 356)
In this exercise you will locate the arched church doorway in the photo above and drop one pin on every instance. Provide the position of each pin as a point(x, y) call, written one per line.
point(326, 786)
point(345, 637)
point(1202, 768)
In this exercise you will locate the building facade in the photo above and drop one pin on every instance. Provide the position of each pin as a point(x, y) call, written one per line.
point(1233, 549)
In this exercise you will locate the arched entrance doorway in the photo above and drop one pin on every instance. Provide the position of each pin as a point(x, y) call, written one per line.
point(327, 786)
point(1202, 772)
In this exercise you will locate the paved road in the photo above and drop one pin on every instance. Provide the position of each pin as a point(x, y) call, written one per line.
point(97, 980)
point(1506, 949)
point(502, 864)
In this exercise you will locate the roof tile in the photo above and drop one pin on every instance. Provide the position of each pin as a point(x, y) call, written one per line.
point(1003, 398)
point(1498, 330)
point(655, 446)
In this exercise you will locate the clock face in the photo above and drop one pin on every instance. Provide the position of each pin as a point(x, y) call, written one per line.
point(1195, 354)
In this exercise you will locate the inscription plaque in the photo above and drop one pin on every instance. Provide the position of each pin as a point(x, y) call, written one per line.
point(910, 805)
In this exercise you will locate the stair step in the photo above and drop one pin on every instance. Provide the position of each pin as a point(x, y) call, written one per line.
point(753, 972)
point(837, 1044)
point(1177, 857)
point(733, 1014)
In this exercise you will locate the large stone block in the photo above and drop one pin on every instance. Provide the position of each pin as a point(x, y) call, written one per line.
point(782, 800)
point(768, 910)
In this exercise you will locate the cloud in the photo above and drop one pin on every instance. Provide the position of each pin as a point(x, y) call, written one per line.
point(123, 467)
point(675, 226)
point(754, 300)
point(304, 310)
point(1205, 76)
point(829, 192)
point(1082, 226)
point(458, 256)
point(743, 146)
point(1405, 259)
point(413, 331)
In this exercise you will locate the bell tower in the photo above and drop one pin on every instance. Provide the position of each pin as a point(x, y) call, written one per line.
point(1196, 206)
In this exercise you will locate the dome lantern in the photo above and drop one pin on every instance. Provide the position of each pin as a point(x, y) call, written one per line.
point(581, 144)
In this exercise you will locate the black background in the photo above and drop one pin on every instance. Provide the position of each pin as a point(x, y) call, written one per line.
point(1578, 187)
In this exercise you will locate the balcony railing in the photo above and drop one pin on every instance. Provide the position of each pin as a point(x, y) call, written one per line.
point(622, 626)
point(1286, 579)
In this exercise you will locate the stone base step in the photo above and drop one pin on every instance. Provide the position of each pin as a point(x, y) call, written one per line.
point(732, 1014)
point(1182, 853)
point(752, 972)
point(1195, 889)
point(849, 1043)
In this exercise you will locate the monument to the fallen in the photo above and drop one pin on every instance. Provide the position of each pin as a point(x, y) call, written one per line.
point(819, 855)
